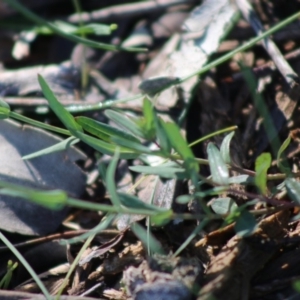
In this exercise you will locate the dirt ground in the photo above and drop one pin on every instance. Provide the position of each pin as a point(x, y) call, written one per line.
point(256, 90)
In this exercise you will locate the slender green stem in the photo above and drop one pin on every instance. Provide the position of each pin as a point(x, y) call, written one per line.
point(243, 47)
point(100, 227)
point(38, 124)
point(108, 208)
point(36, 19)
point(208, 136)
point(26, 265)
point(81, 107)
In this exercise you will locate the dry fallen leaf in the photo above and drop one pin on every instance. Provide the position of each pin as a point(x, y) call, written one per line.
point(53, 171)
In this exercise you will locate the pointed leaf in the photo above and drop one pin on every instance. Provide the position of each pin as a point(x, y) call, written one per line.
point(162, 136)
point(125, 122)
point(135, 146)
point(218, 168)
point(225, 148)
point(162, 171)
point(63, 145)
point(131, 201)
point(65, 117)
point(262, 164)
point(149, 114)
point(104, 147)
point(103, 131)
point(110, 180)
point(182, 148)
point(55, 199)
point(283, 166)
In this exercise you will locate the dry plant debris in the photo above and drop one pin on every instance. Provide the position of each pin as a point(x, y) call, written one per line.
point(160, 216)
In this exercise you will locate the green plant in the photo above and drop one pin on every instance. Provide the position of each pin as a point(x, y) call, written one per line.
point(179, 161)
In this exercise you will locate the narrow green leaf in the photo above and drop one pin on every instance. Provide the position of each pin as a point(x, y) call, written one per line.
point(147, 239)
point(182, 148)
point(293, 189)
point(218, 168)
point(4, 110)
point(135, 146)
point(63, 145)
point(65, 117)
point(110, 180)
point(131, 201)
point(245, 224)
point(55, 199)
point(223, 206)
point(162, 136)
point(105, 222)
point(283, 166)
point(225, 147)
point(149, 114)
point(262, 164)
point(104, 147)
point(104, 131)
point(162, 171)
point(125, 122)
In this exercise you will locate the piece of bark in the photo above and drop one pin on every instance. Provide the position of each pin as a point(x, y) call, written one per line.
point(229, 274)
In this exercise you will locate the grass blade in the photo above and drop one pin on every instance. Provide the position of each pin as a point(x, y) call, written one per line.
point(130, 201)
point(103, 131)
point(283, 166)
point(110, 180)
point(55, 199)
point(125, 122)
point(106, 148)
point(149, 114)
point(182, 148)
point(162, 171)
point(63, 145)
point(65, 117)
